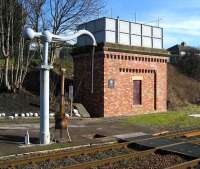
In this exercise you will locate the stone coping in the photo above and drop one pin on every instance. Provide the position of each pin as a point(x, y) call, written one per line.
point(122, 48)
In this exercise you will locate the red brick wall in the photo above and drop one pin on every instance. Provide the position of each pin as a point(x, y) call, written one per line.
point(123, 68)
point(82, 83)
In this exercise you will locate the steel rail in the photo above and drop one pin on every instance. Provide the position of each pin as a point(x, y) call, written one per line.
point(111, 160)
point(177, 133)
point(62, 154)
point(85, 150)
point(193, 164)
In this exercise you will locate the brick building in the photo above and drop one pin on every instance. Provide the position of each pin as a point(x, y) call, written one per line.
point(128, 79)
point(178, 52)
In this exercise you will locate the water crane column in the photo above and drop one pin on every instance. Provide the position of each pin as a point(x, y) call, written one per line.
point(44, 97)
point(47, 37)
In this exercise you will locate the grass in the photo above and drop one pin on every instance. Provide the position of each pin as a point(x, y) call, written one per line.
point(2, 62)
point(22, 120)
point(48, 147)
point(179, 118)
point(172, 119)
point(36, 148)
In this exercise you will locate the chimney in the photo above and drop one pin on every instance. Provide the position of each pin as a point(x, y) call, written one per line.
point(183, 44)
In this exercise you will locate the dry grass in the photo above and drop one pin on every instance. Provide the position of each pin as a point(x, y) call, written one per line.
point(182, 90)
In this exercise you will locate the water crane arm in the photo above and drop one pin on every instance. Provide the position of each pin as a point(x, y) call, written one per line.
point(29, 33)
point(73, 36)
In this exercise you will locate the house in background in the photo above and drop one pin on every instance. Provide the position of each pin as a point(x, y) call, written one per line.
point(179, 51)
point(130, 69)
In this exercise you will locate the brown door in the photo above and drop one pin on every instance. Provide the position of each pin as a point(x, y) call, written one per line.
point(137, 92)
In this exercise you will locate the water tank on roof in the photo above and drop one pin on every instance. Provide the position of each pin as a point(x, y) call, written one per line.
point(109, 30)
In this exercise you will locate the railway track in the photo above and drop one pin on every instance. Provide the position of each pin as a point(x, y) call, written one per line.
point(116, 155)
point(193, 164)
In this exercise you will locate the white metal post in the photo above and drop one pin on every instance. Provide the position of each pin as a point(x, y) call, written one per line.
point(71, 93)
point(44, 98)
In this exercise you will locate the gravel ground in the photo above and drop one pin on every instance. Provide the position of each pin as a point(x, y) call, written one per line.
point(50, 164)
point(151, 161)
point(197, 167)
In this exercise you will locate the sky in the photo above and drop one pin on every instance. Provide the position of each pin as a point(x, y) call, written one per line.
point(179, 18)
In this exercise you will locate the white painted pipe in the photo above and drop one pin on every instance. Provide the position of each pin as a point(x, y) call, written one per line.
point(29, 33)
point(64, 38)
point(44, 98)
point(27, 140)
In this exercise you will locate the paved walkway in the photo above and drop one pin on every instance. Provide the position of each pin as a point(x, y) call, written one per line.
point(82, 132)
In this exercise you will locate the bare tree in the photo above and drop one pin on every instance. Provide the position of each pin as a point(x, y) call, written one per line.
point(35, 11)
point(58, 16)
point(12, 46)
point(6, 30)
point(67, 14)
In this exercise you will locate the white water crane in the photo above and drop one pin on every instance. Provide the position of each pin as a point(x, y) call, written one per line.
point(47, 37)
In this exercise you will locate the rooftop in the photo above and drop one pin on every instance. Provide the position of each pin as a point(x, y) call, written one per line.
point(123, 48)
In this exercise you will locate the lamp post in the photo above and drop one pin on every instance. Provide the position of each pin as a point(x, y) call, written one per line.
point(47, 37)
